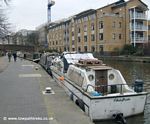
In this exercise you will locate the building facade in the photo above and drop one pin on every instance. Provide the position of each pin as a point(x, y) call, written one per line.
point(104, 30)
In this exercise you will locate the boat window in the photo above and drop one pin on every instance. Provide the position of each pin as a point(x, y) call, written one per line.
point(76, 77)
point(91, 77)
point(111, 76)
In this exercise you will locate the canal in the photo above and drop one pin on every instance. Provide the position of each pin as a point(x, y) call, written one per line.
point(132, 71)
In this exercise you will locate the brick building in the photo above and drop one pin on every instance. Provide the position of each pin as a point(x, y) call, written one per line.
point(103, 30)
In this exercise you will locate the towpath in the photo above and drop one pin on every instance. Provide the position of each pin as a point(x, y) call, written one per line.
point(23, 100)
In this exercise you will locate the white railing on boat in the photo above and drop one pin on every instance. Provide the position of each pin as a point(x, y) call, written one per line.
point(115, 88)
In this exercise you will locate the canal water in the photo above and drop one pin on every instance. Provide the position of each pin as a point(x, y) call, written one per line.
point(132, 71)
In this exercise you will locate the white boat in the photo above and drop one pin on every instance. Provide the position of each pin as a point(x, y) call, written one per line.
point(99, 90)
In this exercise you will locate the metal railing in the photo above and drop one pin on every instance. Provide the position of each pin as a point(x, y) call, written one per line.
point(141, 28)
point(108, 89)
point(139, 39)
point(138, 16)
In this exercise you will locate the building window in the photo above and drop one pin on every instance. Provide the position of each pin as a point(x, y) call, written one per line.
point(92, 37)
point(78, 30)
point(79, 49)
point(72, 42)
point(149, 27)
point(149, 37)
point(101, 49)
point(120, 36)
point(101, 25)
point(117, 13)
point(79, 39)
point(101, 36)
point(65, 49)
point(85, 48)
point(85, 19)
point(73, 49)
point(72, 33)
point(85, 28)
point(114, 24)
point(85, 38)
point(93, 48)
point(93, 17)
point(114, 36)
point(120, 25)
point(92, 26)
point(56, 42)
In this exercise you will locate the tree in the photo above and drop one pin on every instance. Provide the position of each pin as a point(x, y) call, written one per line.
point(4, 25)
point(5, 1)
point(32, 39)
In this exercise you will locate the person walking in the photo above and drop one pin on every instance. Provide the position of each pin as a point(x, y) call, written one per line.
point(9, 56)
point(15, 56)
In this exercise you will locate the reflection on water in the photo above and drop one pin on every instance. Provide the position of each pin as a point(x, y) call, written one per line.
point(132, 71)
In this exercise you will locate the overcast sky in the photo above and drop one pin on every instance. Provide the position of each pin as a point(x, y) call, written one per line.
point(28, 14)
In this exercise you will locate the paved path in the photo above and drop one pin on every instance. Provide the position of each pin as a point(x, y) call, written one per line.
point(3, 63)
point(22, 100)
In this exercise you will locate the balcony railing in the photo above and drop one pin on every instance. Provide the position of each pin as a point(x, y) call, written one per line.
point(139, 28)
point(139, 40)
point(138, 16)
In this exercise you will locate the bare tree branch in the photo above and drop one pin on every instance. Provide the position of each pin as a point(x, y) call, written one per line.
point(4, 25)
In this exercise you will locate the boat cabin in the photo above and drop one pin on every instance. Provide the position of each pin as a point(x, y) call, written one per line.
point(93, 75)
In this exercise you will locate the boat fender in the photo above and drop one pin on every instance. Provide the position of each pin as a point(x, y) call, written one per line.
point(80, 103)
point(119, 118)
point(61, 78)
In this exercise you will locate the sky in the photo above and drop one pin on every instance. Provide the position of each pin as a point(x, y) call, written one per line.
point(29, 14)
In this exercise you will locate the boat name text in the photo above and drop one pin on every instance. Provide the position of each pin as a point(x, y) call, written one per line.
point(121, 99)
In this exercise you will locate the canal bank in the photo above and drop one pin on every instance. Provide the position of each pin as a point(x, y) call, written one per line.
point(23, 98)
point(126, 58)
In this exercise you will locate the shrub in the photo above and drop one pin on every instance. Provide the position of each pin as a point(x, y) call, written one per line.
point(129, 50)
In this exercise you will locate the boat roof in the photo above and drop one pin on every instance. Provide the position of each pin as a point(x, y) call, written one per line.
point(93, 64)
point(102, 67)
point(75, 57)
point(51, 54)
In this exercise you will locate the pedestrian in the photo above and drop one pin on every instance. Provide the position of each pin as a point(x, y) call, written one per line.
point(9, 56)
point(15, 56)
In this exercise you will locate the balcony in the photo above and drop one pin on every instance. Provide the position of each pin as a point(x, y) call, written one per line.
point(139, 40)
point(138, 16)
point(139, 28)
